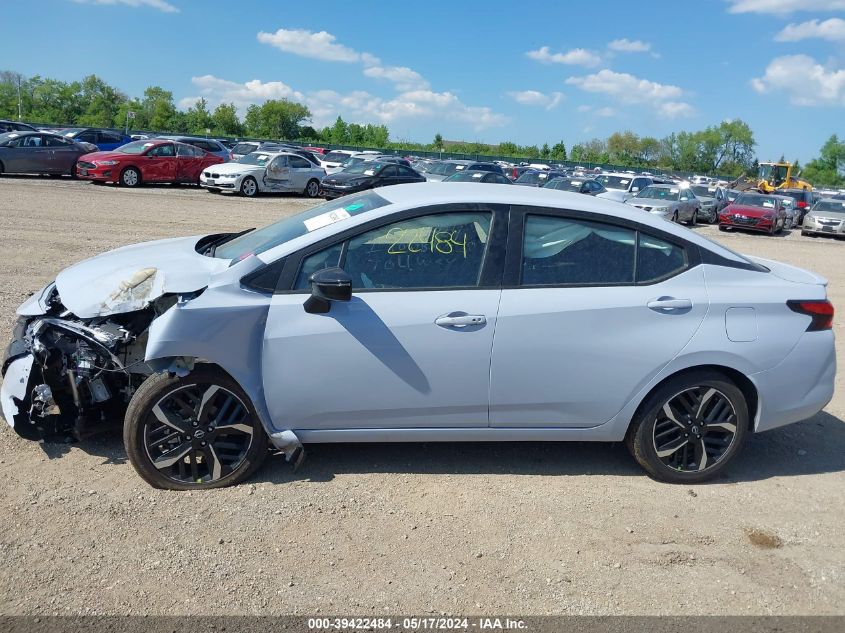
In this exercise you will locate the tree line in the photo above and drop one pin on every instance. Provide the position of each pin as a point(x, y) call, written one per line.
point(726, 148)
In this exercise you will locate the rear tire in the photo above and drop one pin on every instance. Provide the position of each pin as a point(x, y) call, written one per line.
point(130, 177)
point(691, 428)
point(196, 432)
point(675, 217)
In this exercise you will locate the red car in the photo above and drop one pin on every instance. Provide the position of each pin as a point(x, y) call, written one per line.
point(154, 160)
point(316, 150)
point(755, 212)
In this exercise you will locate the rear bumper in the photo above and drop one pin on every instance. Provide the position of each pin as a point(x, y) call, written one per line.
point(800, 386)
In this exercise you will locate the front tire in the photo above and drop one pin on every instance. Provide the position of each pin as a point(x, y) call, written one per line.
point(312, 189)
point(195, 432)
point(675, 217)
point(691, 428)
point(130, 177)
point(249, 187)
point(694, 219)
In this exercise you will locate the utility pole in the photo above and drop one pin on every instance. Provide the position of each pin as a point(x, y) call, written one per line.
point(20, 114)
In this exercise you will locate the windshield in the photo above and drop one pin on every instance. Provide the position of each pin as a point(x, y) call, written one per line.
point(565, 184)
point(732, 194)
point(336, 157)
point(8, 136)
point(755, 200)
point(437, 169)
point(365, 167)
point(451, 168)
point(135, 147)
point(659, 193)
point(773, 174)
point(255, 158)
point(532, 178)
point(830, 206)
point(615, 182)
point(466, 176)
point(289, 228)
point(244, 148)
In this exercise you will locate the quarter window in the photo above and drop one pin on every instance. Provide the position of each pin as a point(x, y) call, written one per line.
point(299, 163)
point(658, 259)
point(434, 251)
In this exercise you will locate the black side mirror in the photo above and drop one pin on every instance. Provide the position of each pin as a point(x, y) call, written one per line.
point(330, 284)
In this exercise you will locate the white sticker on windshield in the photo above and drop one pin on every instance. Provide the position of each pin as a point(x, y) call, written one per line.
point(542, 176)
point(769, 205)
point(624, 182)
point(575, 183)
point(674, 190)
point(325, 219)
point(369, 172)
point(478, 175)
point(459, 167)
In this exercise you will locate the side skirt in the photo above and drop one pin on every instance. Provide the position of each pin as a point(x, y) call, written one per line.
point(481, 434)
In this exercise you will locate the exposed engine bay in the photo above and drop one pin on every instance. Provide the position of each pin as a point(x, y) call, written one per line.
point(77, 375)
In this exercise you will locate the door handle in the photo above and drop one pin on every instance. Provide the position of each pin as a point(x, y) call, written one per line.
point(460, 320)
point(665, 304)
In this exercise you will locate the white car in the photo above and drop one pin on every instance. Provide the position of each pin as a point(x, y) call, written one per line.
point(371, 318)
point(334, 161)
point(259, 172)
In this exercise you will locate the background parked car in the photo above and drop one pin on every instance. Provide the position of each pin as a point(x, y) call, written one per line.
point(724, 197)
point(671, 202)
point(589, 187)
point(243, 148)
point(15, 126)
point(622, 186)
point(706, 195)
point(754, 212)
point(40, 153)
point(791, 210)
point(368, 175)
point(804, 200)
point(485, 177)
point(208, 144)
point(265, 172)
point(827, 217)
point(154, 160)
point(105, 140)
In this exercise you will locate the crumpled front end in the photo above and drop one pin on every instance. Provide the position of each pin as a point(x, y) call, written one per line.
point(66, 377)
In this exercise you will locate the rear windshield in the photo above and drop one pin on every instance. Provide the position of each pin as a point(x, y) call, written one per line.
point(659, 193)
point(565, 184)
point(294, 226)
point(532, 178)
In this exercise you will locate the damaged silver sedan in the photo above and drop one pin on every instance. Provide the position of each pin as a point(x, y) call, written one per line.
point(372, 318)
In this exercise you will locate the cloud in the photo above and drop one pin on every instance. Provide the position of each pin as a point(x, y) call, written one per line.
point(537, 98)
point(358, 106)
point(807, 82)
point(606, 112)
point(575, 57)
point(404, 78)
point(784, 7)
point(627, 89)
point(161, 5)
point(832, 30)
point(629, 46)
point(320, 45)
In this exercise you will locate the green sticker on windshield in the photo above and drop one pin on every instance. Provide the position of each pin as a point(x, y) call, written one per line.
point(354, 206)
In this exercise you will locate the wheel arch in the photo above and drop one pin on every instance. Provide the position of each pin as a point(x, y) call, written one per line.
point(743, 383)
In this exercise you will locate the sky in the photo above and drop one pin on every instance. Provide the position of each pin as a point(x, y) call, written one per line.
point(531, 73)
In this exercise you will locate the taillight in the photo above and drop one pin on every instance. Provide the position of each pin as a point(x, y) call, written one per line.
point(820, 311)
point(802, 204)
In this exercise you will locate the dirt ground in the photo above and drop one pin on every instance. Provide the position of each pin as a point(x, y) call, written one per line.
point(416, 529)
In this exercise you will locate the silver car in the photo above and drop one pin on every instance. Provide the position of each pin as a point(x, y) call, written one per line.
point(371, 319)
point(827, 217)
point(265, 172)
point(675, 203)
point(706, 195)
point(40, 153)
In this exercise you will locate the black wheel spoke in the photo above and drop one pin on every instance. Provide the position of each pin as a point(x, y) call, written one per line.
point(694, 429)
point(198, 433)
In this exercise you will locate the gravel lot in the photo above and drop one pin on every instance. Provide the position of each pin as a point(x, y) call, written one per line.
point(419, 529)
